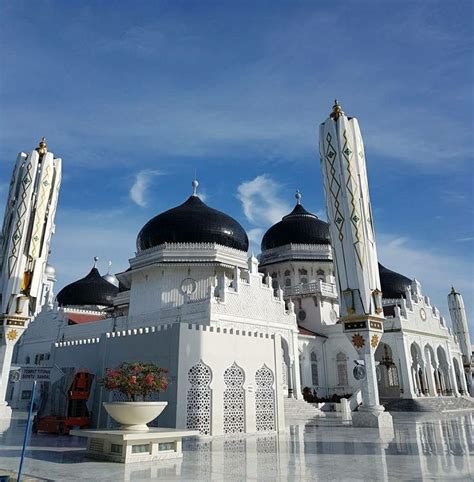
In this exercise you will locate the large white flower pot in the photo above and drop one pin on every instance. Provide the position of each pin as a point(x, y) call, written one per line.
point(134, 415)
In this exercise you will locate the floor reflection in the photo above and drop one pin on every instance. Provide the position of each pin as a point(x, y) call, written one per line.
point(421, 446)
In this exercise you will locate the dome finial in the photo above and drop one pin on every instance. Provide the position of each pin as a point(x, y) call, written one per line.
point(110, 267)
point(96, 258)
point(42, 147)
point(336, 110)
point(195, 185)
point(298, 196)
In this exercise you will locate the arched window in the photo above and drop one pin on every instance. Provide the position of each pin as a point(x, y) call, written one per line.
point(275, 281)
point(341, 361)
point(303, 275)
point(320, 272)
point(28, 360)
point(287, 272)
point(287, 282)
point(314, 370)
point(392, 374)
point(287, 278)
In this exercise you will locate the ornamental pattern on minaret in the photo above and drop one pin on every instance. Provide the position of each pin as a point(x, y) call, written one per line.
point(349, 214)
point(28, 226)
point(460, 324)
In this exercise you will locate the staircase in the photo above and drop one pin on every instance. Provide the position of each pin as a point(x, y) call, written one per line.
point(299, 410)
point(428, 404)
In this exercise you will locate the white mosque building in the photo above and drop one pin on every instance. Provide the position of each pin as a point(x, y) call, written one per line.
point(241, 336)
point(244, 338)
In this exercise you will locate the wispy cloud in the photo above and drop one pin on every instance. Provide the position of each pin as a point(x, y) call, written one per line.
point(142, 182)
point(261, 200)
point(467, 239)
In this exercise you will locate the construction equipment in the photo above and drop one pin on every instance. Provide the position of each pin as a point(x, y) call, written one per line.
point(64, 405)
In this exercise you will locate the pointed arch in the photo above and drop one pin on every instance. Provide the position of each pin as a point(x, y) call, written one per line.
point(199, 398)
point(234, 400)
point(264, 400)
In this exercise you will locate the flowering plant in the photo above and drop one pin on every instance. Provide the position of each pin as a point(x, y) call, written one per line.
point(136, 380)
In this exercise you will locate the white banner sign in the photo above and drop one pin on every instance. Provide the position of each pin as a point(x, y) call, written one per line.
point(41, 374)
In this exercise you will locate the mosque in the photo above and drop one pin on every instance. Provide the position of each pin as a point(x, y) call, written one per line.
point(242, 336)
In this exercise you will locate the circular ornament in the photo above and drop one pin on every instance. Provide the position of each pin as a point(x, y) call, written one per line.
point(15, 376)
point(188, 286)
point(333, 315)
point(423, 314)
point(302, 315)
point(359, 372)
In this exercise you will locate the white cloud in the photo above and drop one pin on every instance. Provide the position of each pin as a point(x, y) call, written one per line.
point(255, 235)
point(142, 182)
point(437, 272)
point(261, 202)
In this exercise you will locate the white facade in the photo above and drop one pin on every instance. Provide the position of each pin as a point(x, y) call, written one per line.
point(209, 317)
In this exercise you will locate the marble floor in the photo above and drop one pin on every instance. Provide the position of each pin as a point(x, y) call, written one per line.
point(421, 447)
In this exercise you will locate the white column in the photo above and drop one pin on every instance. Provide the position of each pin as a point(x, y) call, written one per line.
point(430, 376)
point(296, 368)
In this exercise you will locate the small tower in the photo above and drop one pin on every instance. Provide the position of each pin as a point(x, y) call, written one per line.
point(457, 312)
point(355, 255)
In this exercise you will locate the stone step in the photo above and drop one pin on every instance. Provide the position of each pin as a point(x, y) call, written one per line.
point(428, 404)
point(299, 410)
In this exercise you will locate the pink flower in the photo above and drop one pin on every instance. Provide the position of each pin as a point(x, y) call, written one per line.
point(164, 385)
point(133, 379)
point(150, 379)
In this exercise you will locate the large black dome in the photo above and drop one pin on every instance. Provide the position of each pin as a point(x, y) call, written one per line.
point(90, 290)
point(193, 222)
point(298, 227)
point(394, 285)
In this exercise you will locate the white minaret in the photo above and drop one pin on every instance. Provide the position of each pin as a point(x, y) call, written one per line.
point(355, 254)
point(461, 330)
point(28, 226)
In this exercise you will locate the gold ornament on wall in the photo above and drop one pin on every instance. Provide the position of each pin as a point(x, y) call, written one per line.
point(358, 341)
point(12, 335)
point(374, 341)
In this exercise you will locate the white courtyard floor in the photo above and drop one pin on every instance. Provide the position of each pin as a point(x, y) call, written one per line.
point(422, 447)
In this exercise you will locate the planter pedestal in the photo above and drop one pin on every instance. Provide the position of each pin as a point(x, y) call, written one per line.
point(125, 446)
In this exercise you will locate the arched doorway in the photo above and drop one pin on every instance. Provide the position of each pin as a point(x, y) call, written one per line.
point(417, 370)
point(443, 372)
point(389, 381)
point(457, 371)
point(430, 368)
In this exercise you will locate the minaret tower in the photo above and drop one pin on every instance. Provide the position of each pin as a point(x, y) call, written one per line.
point(461, 330)
point(28, 226)
point(354, 251)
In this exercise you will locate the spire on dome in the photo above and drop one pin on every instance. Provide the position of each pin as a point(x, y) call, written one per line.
point(195, 185)
point(96, 258)
point(111, 278)
point(336, 110)
point(298, 196)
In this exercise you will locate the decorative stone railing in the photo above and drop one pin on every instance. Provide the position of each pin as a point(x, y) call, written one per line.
point(315, 287)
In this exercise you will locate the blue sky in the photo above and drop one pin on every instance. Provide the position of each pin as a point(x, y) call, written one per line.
point(134, 96)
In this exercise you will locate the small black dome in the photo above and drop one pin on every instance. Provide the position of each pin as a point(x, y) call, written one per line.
point(298, 227)
point(394, 285)
point(90, 290)
point(193, 222)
